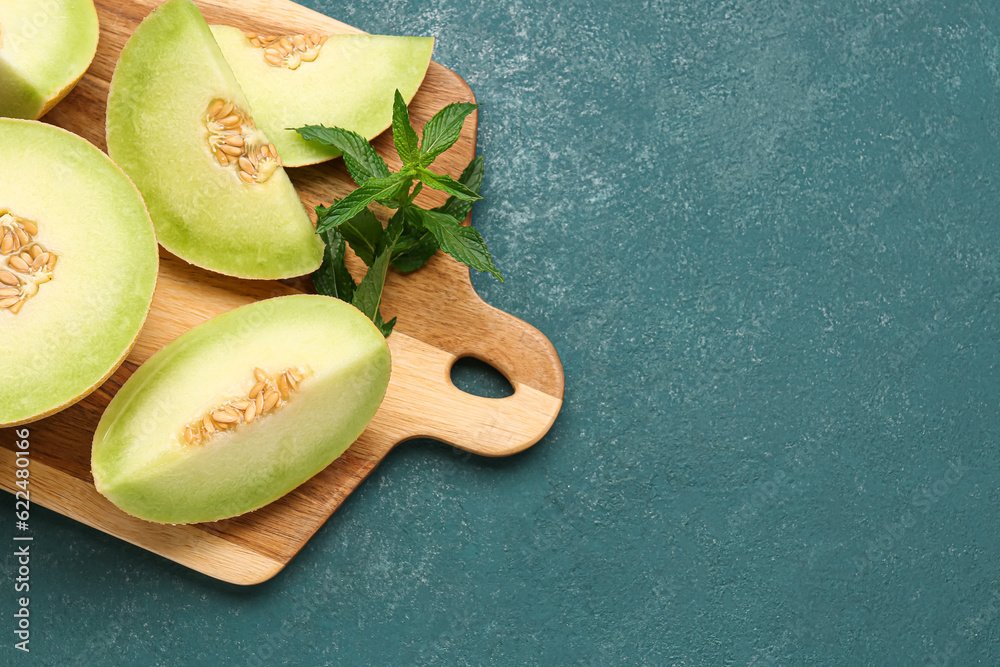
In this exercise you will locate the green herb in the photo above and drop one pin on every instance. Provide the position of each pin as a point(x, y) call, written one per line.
point(332, 278)
point(413, 234)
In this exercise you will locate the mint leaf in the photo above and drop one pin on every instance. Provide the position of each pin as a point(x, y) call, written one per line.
point(348, 207)
point(413, 235)
point(443, 130)
point(393, 230)
point(362, 161)
point(416, 245)
point(403, 134)
point(363, 232)
point(332, 278)
point(368, 296)
point(471, 178)
point(463, 243)
point(413, 251)
point(447, 184)
point(383, 326)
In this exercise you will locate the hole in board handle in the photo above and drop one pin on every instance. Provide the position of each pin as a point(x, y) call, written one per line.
point(478, 378)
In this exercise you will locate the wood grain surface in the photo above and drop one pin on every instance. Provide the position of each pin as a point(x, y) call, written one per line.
point(441, 319)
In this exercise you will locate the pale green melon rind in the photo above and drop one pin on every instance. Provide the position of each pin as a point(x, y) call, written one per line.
point(169, 72)
point(46, 48)
point(350, 85)
point(139, 460)
point(81, 325)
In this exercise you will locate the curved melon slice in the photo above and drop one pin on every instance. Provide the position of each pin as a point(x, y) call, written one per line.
point(342, 80)
point(45, 48)
point(241, 410)
point(180, 126)
point(78, 264)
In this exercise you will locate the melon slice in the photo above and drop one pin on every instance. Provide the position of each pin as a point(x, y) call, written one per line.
point(45, 48)
point(342, 80)
point(241, 410)
point(180, 126)
point(78, 264)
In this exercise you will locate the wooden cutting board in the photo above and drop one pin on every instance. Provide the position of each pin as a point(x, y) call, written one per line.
point(441, 319)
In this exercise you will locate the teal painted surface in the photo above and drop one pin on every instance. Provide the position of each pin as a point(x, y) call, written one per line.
point(763, 237)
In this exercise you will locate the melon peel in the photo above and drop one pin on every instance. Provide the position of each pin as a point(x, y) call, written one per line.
point(179, 124)
point(78, 268)
point(240, 410)
point(345, 81)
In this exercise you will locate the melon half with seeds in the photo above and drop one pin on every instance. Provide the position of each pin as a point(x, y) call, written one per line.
point(45, 48)
point(181, 127)
point(78, 263)
point(347, 81)
point(241, 410)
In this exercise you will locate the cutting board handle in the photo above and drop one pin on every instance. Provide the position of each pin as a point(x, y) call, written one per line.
point(485, 426)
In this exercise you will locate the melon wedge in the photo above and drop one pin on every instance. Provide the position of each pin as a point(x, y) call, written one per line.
point(177, 444)
point(45, 48)
point(181, 127)
point(78, 263)
point(345, 81)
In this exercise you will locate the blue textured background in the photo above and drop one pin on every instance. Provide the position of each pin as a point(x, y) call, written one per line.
point(763, 237)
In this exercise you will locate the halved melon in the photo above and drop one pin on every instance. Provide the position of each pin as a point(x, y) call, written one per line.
point(180, 126)
point(241, 410)
point(78, 264)
point(45, 48)
point(342, 80)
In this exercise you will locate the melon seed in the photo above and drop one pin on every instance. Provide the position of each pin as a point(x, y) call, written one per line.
point(288, 51)
point(223, 417)
point(234, 139)
point(263, 397)
point(21, 254)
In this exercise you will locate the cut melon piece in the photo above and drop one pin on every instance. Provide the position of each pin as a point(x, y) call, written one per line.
point(346, 81)
point(78, 264)
point(45, 48)
point(180, 126)
point(241, 410)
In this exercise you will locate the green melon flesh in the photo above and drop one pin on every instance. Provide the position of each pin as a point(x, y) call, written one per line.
point(350, 85)
point(78, 328)
point(169, 73)
point(143, 463)
point(45, 47)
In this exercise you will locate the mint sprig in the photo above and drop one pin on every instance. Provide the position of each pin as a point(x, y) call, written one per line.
point(413, 234)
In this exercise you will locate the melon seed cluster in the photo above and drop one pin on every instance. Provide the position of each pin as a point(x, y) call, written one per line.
point(288, 50)
point(267, 395)
point(24, 263)
point(235, 140)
